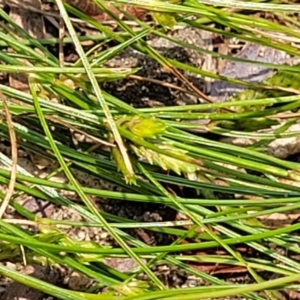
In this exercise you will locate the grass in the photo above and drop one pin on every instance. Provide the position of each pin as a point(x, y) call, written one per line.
point(122, 134)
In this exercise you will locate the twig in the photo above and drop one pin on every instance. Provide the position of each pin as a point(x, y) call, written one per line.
point(166, 84)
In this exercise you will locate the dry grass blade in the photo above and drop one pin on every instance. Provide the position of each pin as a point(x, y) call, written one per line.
point(14, 156)
point(198, 213)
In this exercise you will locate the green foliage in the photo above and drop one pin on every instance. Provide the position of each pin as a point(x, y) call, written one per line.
point(167, 21)
point(167, 163)
point(150, 156)
point(145, 128)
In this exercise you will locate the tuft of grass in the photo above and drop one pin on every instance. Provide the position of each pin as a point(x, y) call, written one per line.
point(144, 152)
